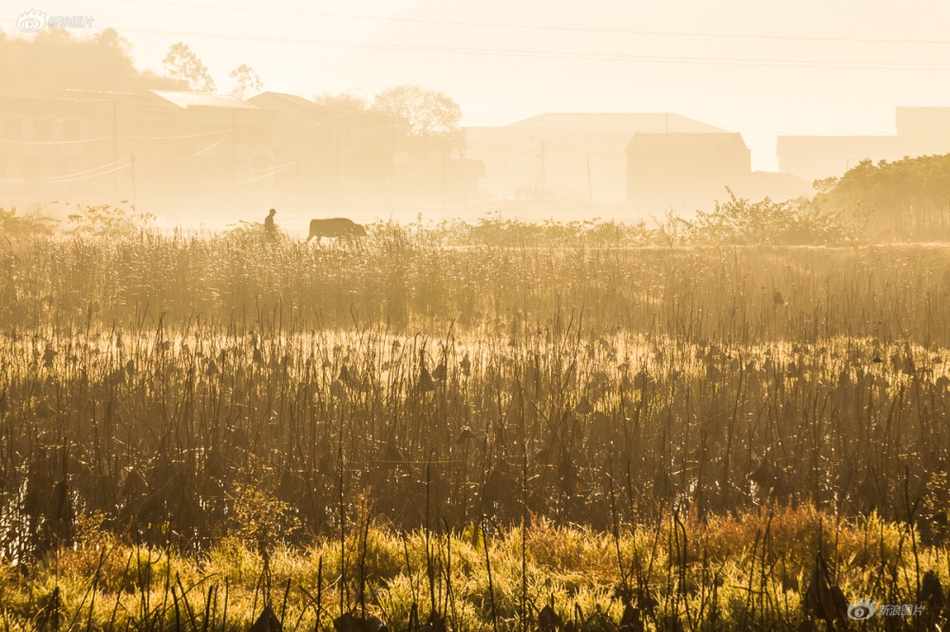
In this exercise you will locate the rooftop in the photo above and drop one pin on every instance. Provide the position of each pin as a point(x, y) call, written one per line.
point(661, 122)
point(187, 100)
point(688, 140)
point(267, 100)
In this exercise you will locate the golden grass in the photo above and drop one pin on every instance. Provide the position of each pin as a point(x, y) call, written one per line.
point(752, 570)
point(185, 419)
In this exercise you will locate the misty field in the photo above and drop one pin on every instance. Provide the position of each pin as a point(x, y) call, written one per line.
point(495, 429)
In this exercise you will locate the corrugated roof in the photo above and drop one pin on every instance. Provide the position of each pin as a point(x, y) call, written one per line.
point(290, 98)
point(266, 99)
point(619, 121)
point(104, 96)
point(186, 100)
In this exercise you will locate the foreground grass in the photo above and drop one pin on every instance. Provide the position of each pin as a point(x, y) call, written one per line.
point(760, 570)
point(186, 423)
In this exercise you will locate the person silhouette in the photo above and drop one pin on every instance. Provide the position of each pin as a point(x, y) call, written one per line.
point(269, 227)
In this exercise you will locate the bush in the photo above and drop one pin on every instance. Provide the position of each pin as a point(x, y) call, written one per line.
point(739, 221)
point(34, 223)
point(105, 220)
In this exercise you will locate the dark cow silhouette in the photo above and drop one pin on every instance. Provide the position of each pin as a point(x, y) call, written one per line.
point(336, 227)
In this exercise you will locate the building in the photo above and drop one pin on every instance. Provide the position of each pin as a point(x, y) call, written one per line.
point(73, 145)
point(213, 150)
point(921, 131)
point(567, 156)
point(686, 172)
point(339, 156)
point(155, 149)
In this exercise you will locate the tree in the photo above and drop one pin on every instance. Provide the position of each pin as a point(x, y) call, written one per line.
point(247, 80)
point(428, 112)
point(54, 59)
point(910, 197)
point(182, 64)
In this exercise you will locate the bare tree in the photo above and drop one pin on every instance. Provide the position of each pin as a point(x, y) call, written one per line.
point(181, 63)
point(247, 81)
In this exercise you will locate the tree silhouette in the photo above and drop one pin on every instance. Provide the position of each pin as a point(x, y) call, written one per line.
point(910, 197)
point(428, 112)
point(54, 59)
point(182, 64)
point(247, 81)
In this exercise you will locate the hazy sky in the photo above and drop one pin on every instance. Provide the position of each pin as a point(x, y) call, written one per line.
point(760, 67)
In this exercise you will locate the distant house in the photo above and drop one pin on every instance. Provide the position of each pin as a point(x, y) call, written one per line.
point(339, 155)
point(684, 171)
point(217, 154)
point(76, 144)
point(817, 157)
point(361, 157)
point(224, 150)
point(157, 149)
point(567, 156)
point(921, 131)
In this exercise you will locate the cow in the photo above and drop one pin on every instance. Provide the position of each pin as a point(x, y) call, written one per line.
point(336, 227)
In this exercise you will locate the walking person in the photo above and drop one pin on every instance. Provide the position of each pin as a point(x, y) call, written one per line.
point(269, 229)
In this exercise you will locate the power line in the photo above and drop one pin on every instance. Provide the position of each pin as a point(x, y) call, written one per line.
point(194, 155)
point(55, 142)
point(540, 27)
point(87, 174)
point(536, 54)
point(226, 131)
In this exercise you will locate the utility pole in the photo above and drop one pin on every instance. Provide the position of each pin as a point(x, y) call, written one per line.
point(392, 159)
point(115, 150)
point(544, 142)
point(132, 167)
point(234, 162)
point(233, 149)
point(336, 148)
point(544, 164)
point(590, 190)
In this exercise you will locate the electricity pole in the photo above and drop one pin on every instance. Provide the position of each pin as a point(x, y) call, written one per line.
point(544, 142)
point(115, 151)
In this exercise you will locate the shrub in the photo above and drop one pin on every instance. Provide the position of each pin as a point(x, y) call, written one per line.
point(740, 221)
point(34, 223)
point(105, 220)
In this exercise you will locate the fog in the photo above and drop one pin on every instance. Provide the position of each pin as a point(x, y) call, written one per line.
point(762, 71)
point(446, 315)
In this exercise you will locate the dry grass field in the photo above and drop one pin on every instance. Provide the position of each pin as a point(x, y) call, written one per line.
point(498, 427)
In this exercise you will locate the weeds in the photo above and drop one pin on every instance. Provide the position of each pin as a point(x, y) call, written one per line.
point(230, 431)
